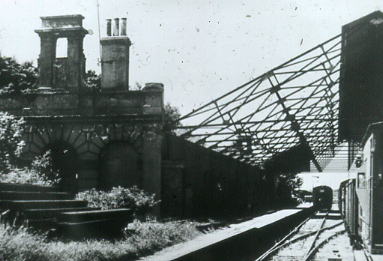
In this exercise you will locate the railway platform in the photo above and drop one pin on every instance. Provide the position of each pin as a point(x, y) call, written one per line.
point(240, 242)
point(284, 235)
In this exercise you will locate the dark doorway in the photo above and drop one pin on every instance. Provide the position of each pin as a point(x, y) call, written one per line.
point(119, 166)
point(65, 162)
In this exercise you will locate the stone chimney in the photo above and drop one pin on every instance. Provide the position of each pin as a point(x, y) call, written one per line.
point(115, 56)
point(67, 73)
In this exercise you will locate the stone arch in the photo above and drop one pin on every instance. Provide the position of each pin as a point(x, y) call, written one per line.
point(39, 137)
point(89, 141)
point(120, 165)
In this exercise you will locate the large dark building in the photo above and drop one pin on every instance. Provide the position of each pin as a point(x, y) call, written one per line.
point(361, 78)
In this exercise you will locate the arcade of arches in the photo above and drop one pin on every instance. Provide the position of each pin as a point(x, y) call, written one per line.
point(98, 154)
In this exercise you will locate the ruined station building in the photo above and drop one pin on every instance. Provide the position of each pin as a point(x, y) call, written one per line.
point(100, 138)
point(113, 136)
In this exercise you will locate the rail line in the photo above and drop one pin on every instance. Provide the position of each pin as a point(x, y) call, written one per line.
point(305, 240)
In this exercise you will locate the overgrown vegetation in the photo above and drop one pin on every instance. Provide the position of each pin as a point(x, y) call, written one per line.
point(142, 238)
point(40, 172)
point(11, 145)
point(287, 184)
point(43, 166)
point(25, 176)
point(151, 236)
point(171, 118)
point(17, 78)
point(93, 80)
point(139, 201)
point(11, 142)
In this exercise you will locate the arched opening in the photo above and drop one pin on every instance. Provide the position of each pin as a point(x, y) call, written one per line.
point(120, 165)
point(65, 162)
point(60, 68)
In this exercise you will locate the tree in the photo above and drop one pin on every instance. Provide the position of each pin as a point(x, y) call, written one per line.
point(93, 80)
point(11, 142)
point(15, 77)
point(171, 118)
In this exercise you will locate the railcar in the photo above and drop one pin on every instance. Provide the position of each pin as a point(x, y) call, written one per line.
point(348, 206)
point(322, 197)
point(361, 197)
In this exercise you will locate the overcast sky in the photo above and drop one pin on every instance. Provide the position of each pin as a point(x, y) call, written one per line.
point(199, 49)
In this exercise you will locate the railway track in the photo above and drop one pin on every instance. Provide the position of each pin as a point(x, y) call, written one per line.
point(311, 240)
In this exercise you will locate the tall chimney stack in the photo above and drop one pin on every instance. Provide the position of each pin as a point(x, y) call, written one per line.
point(109, 27)
point(116, 28)
point(123, 27)
point(115, 57)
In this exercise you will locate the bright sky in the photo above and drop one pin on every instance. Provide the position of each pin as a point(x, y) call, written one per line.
point(199, 49)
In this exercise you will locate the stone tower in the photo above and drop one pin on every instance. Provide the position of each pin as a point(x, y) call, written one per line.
point(62, 73)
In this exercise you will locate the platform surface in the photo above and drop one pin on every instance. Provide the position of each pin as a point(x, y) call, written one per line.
point(214, 237)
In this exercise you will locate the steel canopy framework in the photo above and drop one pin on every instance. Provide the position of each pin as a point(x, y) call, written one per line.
point(296, 103)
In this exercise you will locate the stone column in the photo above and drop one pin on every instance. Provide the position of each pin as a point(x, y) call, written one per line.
point(46, 59)
point(152, 179)
point(76, 62)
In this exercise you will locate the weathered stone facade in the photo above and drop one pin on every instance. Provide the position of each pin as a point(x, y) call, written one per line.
point(110, 137)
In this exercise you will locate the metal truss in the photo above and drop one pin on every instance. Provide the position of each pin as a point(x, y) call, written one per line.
point(294, 103)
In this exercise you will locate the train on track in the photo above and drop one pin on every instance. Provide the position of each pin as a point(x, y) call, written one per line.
point(361, 197)
point(322, 197)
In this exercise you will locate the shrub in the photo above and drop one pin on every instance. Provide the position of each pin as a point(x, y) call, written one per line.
point(11, 143)
point(133, 198)
point(43, 166)
point(40, 173)
point(25, 176)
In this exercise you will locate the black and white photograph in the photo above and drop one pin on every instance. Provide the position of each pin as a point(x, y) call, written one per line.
point(191, 130)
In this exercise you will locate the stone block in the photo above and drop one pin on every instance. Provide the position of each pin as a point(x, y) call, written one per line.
point(62, 21)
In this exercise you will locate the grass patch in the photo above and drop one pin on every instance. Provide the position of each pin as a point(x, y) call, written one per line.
point(150, 236)
point(141, 238)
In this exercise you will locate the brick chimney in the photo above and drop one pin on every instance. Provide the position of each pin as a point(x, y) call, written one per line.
point(115, 56)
